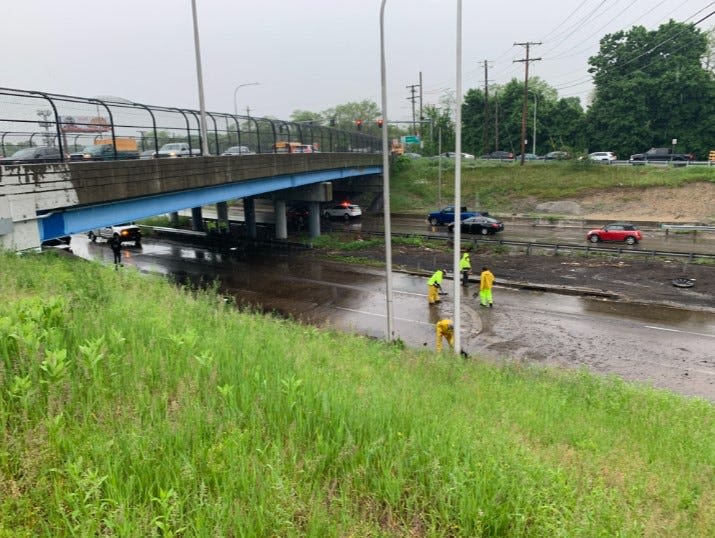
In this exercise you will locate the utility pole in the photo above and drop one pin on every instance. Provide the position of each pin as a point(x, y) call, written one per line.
point(421, 115)
point(485, 122)
point(412, 98)
point(526, 93)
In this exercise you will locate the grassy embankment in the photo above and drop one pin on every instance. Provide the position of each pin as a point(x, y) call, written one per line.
point(504, 187)
point(132, 408)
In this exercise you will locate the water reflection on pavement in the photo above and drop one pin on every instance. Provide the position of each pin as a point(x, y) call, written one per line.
point(668, 347)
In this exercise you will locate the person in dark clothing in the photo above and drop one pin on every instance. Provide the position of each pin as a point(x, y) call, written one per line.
point(116, 245)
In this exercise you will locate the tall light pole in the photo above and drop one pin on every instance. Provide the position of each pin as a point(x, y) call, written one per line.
point(386, 180)
point(235, 103)
point(458, 186)
point(199, 76)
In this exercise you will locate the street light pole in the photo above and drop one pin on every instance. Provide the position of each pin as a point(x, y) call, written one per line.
point(199, 76)
point(386, 180)
point(458, 187)
point(235, 104)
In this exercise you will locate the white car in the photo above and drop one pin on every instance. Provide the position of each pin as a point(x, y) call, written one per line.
point(345, 211)
point(125, 233)
point(603, 156)
point(239, 150)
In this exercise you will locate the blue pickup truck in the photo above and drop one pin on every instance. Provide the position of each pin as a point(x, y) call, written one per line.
point(446, 215)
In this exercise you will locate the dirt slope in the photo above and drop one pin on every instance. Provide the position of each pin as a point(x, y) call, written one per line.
point(692, 203)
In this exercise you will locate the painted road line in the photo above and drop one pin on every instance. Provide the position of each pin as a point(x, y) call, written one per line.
point(678, 331)
point(366, 313)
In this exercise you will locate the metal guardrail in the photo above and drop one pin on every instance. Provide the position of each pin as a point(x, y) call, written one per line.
point(686, 228)
point(69, 123)
point(557, 247)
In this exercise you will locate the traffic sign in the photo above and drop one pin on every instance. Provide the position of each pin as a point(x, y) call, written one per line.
point(410, 139)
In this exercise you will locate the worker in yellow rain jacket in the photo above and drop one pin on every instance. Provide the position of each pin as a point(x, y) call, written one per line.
point(465, 267)
point(486, 281)
point(445, 329)
point(434, 285)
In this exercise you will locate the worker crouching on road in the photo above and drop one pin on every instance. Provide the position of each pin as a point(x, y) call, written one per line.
point(434, 285)
point(445, 329)
point(465, 267)
point(486, 281)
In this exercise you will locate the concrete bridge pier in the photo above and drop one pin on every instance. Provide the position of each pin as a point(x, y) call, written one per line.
point(281, 222)
point(197, 219)
point(314, 219)
point(249, 212)
point(222, 216)
point(174, 219)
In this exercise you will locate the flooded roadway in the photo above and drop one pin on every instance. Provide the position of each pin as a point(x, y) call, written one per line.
point(668, 348)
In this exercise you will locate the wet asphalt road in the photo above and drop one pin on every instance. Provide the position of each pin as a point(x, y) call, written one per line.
point(668, 348)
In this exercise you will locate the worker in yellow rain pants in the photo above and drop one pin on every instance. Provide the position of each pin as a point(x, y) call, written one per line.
point(434, 285)
point(445, 329)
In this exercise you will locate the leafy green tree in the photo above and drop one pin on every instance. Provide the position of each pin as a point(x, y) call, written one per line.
point(306, 116)
point(559, 121)
point(344, 116)
point(652, 87)
point(439, 128)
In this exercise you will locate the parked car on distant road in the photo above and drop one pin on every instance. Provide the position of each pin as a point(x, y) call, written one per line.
point(36, 155)
point(412, 155)
point(479, 225)
point(557, 156)
point(345, 211)
point(528, 157)
point(148, 154)
point(125, 233)
point(499, 155)
point(660, 155)
point(602, 156)
point(616, 231)
point(239, 150)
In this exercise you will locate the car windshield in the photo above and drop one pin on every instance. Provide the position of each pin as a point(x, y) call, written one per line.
point(172, 146)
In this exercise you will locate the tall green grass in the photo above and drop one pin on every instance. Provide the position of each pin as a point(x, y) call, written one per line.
point(502, 186)
point(133, 408)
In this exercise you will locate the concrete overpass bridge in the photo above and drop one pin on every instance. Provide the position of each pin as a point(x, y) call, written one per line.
point(40, 201)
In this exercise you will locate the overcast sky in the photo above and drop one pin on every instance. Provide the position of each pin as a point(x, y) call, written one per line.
point(308, 54)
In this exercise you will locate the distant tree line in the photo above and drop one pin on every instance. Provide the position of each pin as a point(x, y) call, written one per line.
point(650, 87)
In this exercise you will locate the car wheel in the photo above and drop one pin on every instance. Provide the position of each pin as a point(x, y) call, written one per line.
point(594, 239)
point(346, 217)
point(326, 215)
point(433, 221)
point(484, 231)
point(92, 237)
point(138, 243)
point(631, 240)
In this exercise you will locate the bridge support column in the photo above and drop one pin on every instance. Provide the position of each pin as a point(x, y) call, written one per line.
point(222, 216)
point(314, 219)
point(174, 218)
point(197, 219)
point(279, 211)
point(249, 212)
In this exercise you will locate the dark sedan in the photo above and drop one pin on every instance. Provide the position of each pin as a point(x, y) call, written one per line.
point(36, 155)
point(479, 225)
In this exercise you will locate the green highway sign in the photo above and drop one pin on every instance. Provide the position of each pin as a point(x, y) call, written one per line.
point(412, 139)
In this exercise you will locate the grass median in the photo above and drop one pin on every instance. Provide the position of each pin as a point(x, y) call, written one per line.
point(131, 407)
